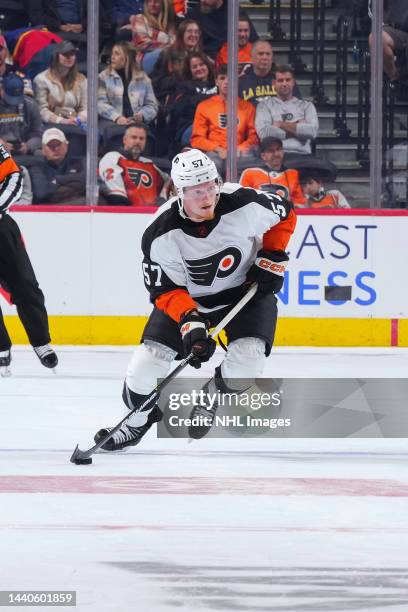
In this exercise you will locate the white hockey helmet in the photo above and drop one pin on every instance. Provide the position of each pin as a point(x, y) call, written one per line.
point(191, 168)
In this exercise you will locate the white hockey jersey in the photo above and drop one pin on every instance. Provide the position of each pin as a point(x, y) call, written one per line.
point(209, 261)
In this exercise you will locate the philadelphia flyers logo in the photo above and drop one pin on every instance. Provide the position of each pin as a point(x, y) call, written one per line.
point(218, 265)
point(277, 189)
point(222, 120)
point(140, 177)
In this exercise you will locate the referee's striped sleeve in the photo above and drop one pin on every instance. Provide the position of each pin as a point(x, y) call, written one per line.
point(10, 190)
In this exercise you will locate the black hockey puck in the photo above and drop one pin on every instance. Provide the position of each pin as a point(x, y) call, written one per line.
point(78, 461)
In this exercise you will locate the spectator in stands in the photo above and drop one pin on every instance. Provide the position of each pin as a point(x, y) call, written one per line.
point(271, 176)
point(212, 17)
point(316, 194)
point(120, 11)
point(286, 117)
point(125, 92)
point(7, 68)
point(188, 39)
point(199, 71)
point(129, 179)
point(59, 178)
point(68, 17)
point(395, 39)
point(20, 121)
point(255, 84)
point(195, 84)
point(61, 91)
point(244, 46)
point(151, 31)
point(210, 124)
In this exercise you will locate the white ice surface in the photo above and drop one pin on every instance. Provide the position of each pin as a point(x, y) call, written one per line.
point(254, 525)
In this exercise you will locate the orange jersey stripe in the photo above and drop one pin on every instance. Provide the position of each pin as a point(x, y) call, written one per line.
point(279, 235)
point(175, 303)
point(8, 166)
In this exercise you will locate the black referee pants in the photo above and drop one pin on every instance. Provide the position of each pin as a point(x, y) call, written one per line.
point(17, 277)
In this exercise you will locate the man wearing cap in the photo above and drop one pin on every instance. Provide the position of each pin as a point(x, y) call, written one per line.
point(59, 178)
point(61, 90)
point(20, 121)
point(17, 275)
point(271, 176)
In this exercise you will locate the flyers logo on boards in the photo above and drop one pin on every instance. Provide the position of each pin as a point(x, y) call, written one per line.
point(217, 265)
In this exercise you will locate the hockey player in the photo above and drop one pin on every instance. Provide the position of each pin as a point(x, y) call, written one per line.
point(17, 275)
point(201, 250)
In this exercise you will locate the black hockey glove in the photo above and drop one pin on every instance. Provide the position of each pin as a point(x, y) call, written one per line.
point(268, 270)
point(194, 333)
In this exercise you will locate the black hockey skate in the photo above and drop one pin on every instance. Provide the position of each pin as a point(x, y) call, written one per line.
point(5, 360)
point(128, 435)
point(46, 355)
point(203, 417)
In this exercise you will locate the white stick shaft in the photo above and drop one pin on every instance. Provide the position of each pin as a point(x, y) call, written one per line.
point(249, 294)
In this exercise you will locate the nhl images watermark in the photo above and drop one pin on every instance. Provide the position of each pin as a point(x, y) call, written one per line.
point(289, 408)
point(247, 413)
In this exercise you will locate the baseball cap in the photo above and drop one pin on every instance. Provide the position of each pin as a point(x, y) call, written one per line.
point(53, 134)
point(268, 142)
point(3, 42)
point(13, 89)
point(66, 46)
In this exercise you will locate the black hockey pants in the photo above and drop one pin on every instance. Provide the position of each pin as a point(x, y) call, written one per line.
point(18, 278)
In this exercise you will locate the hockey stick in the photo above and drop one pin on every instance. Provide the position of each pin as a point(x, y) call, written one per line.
point(79, 456)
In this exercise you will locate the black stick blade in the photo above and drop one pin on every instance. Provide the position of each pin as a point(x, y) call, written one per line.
point(79, 457)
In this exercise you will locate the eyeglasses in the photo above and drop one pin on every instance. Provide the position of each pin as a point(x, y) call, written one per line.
point(69, 53)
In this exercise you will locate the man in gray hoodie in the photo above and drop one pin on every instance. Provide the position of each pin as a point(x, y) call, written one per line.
point(286, 117)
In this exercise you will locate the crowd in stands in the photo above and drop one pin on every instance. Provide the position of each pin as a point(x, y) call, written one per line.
point(163, 87)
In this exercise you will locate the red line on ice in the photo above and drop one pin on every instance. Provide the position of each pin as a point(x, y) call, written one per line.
point(168, 485)
point(204, 528)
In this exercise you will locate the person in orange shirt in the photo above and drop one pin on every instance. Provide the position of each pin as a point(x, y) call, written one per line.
point(210, 124)
point(271, 176)
point(17, 276)
point(317, 196)
point(244, 47)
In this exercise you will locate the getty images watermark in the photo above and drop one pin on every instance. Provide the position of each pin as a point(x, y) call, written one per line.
point(290, 408)
point(248, 413)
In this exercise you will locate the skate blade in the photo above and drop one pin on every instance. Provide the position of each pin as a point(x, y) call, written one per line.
point(102, 451)
point(5, 372)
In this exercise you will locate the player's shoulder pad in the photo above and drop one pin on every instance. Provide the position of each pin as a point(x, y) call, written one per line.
point(244, 196)
point(230, 188)
point(165, 218)
point(274, 202)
